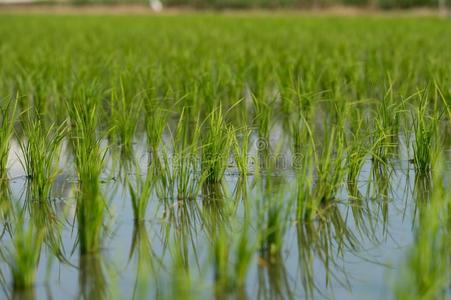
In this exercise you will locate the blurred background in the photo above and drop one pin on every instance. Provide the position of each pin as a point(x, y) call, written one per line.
point(157, 5)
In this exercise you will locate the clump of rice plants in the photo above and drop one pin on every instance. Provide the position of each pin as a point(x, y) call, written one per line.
point(156, 120)
point(263, 116)
point(357, 149)
point(155, 123)
point(216, 146)
point(241, 150)
point(425, 130)
point(88, 164)
point(180, 172)
point(330, 171)
point(125, 115)
point(40, 152)
point(305, 206)
point(8, 112)
point(185, 159)
point(299, 109)
point(386, 125)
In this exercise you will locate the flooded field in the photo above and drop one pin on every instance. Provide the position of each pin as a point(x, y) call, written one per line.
point(180, 157)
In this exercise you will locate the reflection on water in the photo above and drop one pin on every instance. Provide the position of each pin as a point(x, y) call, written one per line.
point(245, 238)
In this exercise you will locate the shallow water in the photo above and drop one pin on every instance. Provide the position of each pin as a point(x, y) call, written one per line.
point(381, 236)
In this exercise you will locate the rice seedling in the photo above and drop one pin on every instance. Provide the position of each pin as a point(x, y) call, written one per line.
point(180, 172)
point(329, 167)
point(425, 130)
point(357, 151)
point(299, 105)
point(125, 115)
point(156, 120)
point(305, 206)
point(262, 118)
point(299, 133)
point(40, 153)
point(88, 164)
point(216, 146)
point(386, 125)
point(240, 151)
point(8, 113)
point(164, 185)
point(185, 160)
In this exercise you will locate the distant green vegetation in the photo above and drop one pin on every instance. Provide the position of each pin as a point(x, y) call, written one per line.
point(220, 4)
point(311, 121)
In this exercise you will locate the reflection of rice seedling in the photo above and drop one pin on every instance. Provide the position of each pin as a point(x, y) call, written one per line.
point(318, 239)
point(145, 262)
point(273, 213)
point(232, 255)
point(23, 258)
point(8, 110)
point(92, 279)
point(40, 151)
point(304, 182)
point(425, 272)
point(140, 193)
point(5, 202)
